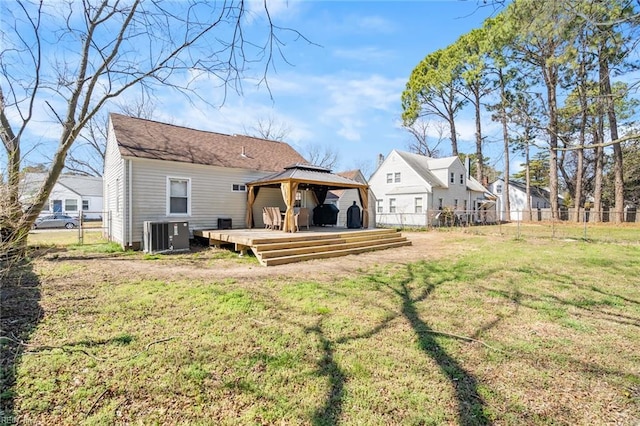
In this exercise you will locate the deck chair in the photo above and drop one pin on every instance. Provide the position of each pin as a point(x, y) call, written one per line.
point(276, 217)
point(302, 218)
point(266, 218)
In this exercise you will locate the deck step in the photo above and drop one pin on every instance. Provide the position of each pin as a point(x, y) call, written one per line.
point(337, 245)
point(333, 253)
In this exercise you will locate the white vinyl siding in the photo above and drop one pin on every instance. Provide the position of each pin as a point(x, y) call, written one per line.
point(114, 220)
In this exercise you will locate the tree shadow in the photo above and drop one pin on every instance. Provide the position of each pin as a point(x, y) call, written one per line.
point(470, 403)
point(20, 312)
point(329, 413)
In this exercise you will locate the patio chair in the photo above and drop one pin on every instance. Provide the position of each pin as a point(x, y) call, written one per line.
point(302, 218)
point(266, 218)
point(276, 217)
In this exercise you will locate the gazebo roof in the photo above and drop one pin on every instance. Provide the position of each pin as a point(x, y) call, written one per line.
point(308, 175)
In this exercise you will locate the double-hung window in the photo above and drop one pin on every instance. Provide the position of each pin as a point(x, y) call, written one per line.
point(178, 196)
point(396, 177)
point(392, 205)
point(389, 177)
point(418, 204)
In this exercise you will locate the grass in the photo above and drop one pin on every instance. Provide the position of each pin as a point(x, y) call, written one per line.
point(512, 331)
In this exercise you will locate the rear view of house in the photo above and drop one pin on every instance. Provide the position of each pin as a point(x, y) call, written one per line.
point(166, 173)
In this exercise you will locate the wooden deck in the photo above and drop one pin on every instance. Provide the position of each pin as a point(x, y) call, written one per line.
point(277, 247)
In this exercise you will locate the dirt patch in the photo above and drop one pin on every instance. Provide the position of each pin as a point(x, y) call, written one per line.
point(208, 262)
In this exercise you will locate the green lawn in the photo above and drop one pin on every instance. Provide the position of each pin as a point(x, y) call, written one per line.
point(512, 331)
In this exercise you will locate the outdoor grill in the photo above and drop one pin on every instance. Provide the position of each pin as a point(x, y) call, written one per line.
point(325, 214)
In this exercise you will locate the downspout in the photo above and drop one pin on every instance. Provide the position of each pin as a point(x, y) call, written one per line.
point(130, 204)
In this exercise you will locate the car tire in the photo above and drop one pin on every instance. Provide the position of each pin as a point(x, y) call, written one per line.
point(69, 225)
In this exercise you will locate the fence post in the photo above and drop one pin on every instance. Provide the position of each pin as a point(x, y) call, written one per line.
point(584, 213)
point(519, 221)
point(80, 226)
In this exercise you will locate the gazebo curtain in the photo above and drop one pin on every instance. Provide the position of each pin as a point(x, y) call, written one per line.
point(251, 199)
point(289, 190)
point(364, 201)
point(321, 193)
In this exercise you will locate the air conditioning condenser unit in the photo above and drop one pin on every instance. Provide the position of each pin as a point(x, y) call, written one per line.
point(162, 237)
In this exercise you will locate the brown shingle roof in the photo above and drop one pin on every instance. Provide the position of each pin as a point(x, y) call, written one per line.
point(141, 138)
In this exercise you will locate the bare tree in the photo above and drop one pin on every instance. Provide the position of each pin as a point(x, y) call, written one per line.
point(75, 57)
point(86, 156)
point(321, 155)
point(420, 132)
point(269, 128)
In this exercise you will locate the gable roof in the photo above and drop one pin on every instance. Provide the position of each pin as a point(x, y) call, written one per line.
point(83, 186)
point(141, 138)
point(423, 166)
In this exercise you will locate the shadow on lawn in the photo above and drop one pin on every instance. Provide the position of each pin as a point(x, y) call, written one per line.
point(470, 403)
point(330, 413)
point(20, 312)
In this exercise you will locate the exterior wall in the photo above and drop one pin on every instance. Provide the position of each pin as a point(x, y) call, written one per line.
point(95, 207)
point(63, 196)
point(113, 222)
point(517, 202)
point(383, 191)
point(211, 195)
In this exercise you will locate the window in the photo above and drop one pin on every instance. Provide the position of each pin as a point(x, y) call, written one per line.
point(440, 203)
point(237, 187)
point(499, 189)
point(455, 204)
point(397, 177)
point(392, 205)
point(465, 205)
point(298, 202)
point(461, 178)
point(85, 205)
point(452, 179)
point(418, 204)
point(70, 205)
point(379, 206)
point(389, 177)
point(178, 196)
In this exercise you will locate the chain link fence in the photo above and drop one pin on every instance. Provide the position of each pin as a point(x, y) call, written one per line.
point(606, 225)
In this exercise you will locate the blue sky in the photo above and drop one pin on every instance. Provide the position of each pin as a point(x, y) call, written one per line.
point(343, 91)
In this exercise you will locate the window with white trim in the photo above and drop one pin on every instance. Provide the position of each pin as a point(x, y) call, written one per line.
point(85, 205)
point(389, 177)
point(418, 204)
point(461, 178)
point(440, 203)
point(499, 189)
point(178, 196)
point(71, 205)
point(452, 179)
point(455, 204)
point(238, 187)
point(397, 177)
point(392, 205)
point(379, 204)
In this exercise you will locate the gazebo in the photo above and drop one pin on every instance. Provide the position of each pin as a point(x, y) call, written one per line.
point(317, 179)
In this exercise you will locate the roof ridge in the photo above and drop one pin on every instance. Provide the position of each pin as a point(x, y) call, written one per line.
point(162, 123)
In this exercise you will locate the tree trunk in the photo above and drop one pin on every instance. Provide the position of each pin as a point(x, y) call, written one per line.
point(618, 172)
point(597, 191)
point(550, 78)
point(505, 137)
point(479, 159)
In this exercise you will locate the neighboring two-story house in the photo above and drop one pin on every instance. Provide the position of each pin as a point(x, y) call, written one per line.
point(414, 190)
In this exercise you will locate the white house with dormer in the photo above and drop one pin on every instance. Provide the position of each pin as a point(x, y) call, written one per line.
point(415, 190)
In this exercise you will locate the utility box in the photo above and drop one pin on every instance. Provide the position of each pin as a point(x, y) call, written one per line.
point(224, 223)
point(162, 237)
